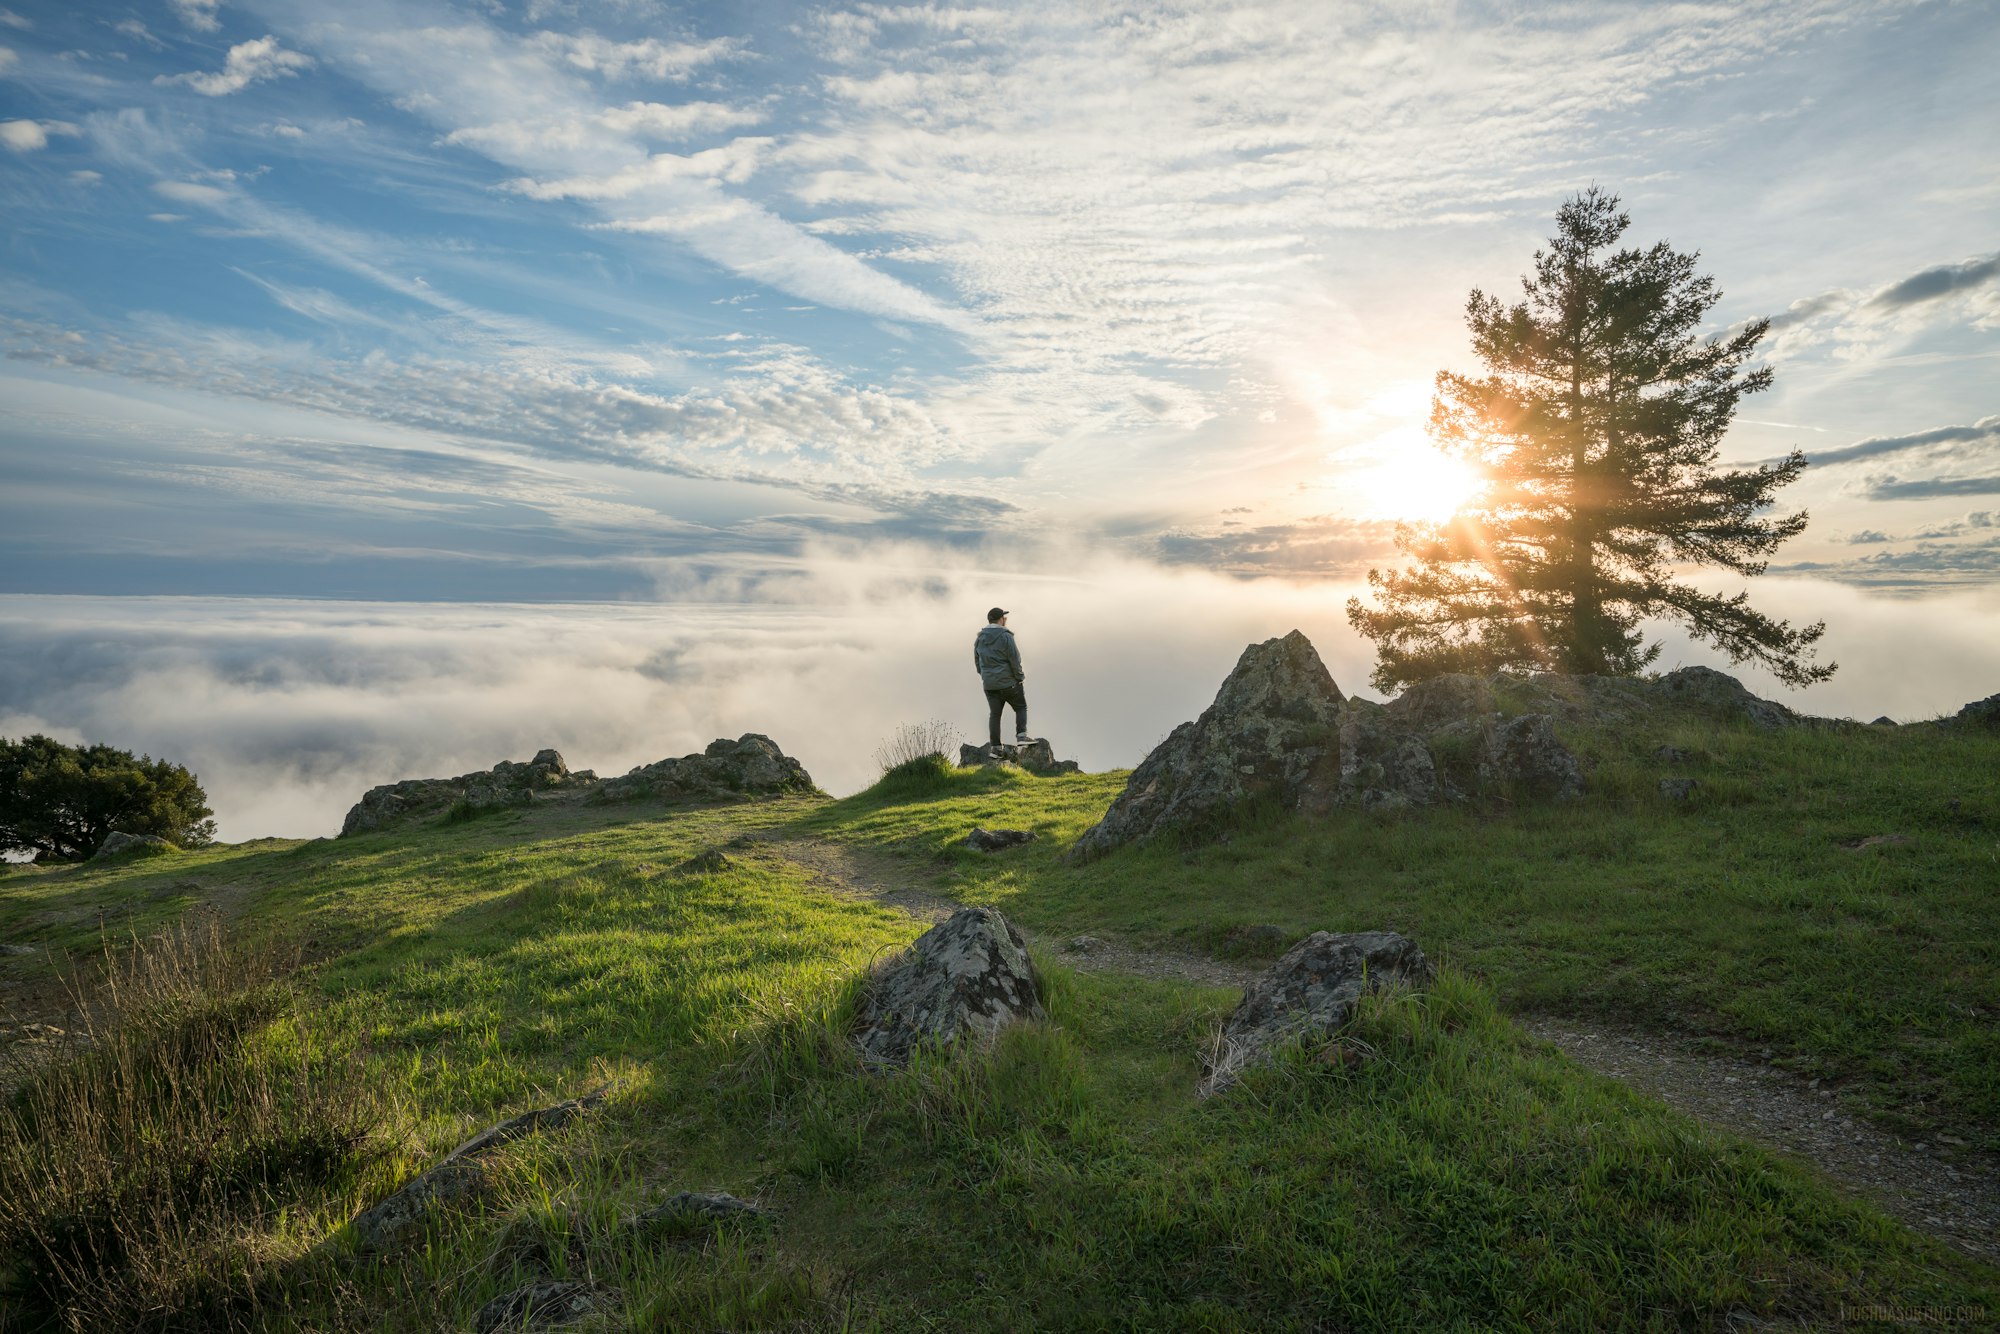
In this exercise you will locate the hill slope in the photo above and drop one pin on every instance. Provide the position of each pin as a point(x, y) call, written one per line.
point(1438, 1167)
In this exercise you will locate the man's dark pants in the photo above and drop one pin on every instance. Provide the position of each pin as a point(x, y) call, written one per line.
point(1014, 695)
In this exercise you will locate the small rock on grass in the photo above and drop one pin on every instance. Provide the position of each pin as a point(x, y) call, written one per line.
point(700, 1211)
point(1677, 789)
point(1878, 841)
point(1311, 993)
point(459, 1181)
point(708, 862)
point(993, 840)
point(538, 1305)
point(963, 980)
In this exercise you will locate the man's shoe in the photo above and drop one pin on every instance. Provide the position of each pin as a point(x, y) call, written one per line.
point(1024, 741)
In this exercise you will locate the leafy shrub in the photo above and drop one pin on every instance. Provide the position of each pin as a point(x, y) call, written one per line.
point(143, 1170)
point(59, 802)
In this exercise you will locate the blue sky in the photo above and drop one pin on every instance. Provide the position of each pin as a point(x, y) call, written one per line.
point(573, 302)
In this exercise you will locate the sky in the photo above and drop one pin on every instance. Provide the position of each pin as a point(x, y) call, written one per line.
point(369, 356)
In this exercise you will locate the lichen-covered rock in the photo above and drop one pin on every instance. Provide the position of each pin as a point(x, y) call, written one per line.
point(710, 861)
point(963, 980)
point(459, 1180)
point(694, 1211)
point(1381, 766)
point(1272, 731)
point(993, 840)
point(1037, 757)
point(1718, 692)
point(1524, 755)
point(1311, 992)
point(1677, 789)
point(750, 766)
point(118, 844)
point(1441, 700)
point(538, 1305)
point(454, 1183)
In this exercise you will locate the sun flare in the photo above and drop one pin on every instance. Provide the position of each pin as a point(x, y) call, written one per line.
point(1403, 476)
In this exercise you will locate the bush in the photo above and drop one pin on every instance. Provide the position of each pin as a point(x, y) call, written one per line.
point(915, 742)
point(144, 1170)
point(60, 802)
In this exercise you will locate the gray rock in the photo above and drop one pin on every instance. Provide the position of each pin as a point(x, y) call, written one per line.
point(1084, 944)
point(1717, 692)
point(1983, 714)
point(459, 1181)
point(1885, 721)
point(1525, 755)
point(963, 980)
point(692, 1211)
point(1271, 732)
point(1381, 766)
point(538, 1305)
point(750, 766)
point(1677, 789)
point(993, 840)
point(711, 861)
point(1671, 755)
point(18, 951)
point(1037, 757)
point(529, 1123)
point(119, 844)
point(453, 1184)
point(1441, 700)
point(1311, 992)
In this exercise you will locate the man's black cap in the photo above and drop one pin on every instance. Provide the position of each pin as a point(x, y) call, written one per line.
point(995, 614)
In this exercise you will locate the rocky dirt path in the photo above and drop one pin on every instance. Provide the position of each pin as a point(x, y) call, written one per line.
point(1934, 1186)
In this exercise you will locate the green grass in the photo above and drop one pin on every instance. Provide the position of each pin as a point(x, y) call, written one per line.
point(1739, 915)
point(1461, 1176)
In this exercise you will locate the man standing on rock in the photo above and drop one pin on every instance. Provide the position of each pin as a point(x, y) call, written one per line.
point(999, 664)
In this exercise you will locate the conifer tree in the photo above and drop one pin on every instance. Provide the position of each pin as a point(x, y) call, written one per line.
point(1595, 428)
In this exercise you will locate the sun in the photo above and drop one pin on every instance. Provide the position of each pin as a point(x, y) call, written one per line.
point(1401, 475)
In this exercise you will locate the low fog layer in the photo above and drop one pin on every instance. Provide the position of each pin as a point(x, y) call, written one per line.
point(288, 710)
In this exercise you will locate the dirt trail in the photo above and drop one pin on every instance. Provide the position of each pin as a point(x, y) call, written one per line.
point(1931, 1186)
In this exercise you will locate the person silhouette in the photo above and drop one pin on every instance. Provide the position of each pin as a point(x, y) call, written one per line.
point(998, 661)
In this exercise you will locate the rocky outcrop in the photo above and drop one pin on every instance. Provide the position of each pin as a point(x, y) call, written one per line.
point(750, 766)
point(1716, 692)
point(1981, 715)
point(120, 845)
point(1037, 757)
point(1281, 732)
point(963, 980)
point(1271, 733)
point(993, 840)
point(1310, 993)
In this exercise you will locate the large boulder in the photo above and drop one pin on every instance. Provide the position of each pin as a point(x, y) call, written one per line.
point(1383, 767)
point(1271, 732)
point(1310, 993)
point(508, 783)
point(963, 980)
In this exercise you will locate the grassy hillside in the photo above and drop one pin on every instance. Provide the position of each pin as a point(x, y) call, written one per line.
point(375, 1000)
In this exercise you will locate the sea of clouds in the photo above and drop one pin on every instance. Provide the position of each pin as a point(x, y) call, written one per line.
point(289, 709)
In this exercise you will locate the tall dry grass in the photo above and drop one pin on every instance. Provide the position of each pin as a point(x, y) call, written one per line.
point(153, 1173)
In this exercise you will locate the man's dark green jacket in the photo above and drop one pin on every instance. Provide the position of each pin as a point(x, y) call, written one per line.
point(998, 661)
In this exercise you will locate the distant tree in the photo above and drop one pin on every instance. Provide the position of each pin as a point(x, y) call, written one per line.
point(1596, 428)
point(60, 802)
